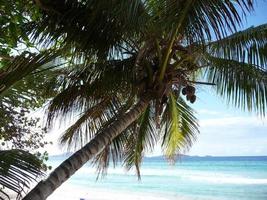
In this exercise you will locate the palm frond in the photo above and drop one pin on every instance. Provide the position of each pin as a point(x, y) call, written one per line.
point(202, 20)
point(142, 140)
point(249, 46)
point(17, 170)
point(244, 85)
point(88, 27)
point(180, 127)
point(81, 88)
point(113, 153)
point(129, 147)
point(94, 28)
point(90, 122)
point(23, 65)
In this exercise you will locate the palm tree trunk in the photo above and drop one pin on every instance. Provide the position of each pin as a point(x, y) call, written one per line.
point(66, 169)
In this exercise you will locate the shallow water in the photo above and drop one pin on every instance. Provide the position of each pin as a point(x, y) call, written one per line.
point(228, 178)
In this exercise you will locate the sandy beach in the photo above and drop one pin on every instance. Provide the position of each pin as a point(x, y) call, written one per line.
point(70, 192)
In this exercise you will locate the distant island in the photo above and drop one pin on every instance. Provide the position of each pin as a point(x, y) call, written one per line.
point(209, 158)
point(186, 158)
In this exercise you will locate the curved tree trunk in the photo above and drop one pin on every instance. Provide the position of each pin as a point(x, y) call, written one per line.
point(66, 169)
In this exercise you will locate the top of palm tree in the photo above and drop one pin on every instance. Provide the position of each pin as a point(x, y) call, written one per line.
point(123, 50)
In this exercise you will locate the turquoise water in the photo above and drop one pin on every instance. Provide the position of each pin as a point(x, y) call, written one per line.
point(228, 178)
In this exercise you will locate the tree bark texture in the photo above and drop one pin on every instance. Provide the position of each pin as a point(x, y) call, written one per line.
point(66, 169)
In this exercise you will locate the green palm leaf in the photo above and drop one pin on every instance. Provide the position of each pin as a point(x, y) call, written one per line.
point(91, 27)
point(23, 65)
point(83, 85)
point(249, 46)
point(17, 170)
point(244, 85)
point(113, 153)
point(203, 19)
point(142, 140)
point(130, 146)
point(93, 119)
point(180, 127)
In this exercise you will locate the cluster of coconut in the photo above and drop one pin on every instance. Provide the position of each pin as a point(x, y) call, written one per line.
point(189, 91)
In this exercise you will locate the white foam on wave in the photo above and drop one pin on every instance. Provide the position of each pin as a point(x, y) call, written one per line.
point(229, 180)
point(192, 175)
point(144, 171)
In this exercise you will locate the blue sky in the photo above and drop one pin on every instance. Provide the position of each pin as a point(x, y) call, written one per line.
point(224, 130)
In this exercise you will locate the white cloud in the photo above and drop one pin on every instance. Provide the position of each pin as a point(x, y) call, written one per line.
point(231, 136)
point(231, 121)
point(208, 112)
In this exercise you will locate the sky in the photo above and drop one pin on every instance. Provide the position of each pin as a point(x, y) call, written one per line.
point(227, 131)
point(224, 130)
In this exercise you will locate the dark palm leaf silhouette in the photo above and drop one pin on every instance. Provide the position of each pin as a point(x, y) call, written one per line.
point(17, 170)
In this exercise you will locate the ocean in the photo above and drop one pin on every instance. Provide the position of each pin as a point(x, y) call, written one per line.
point(191, 178)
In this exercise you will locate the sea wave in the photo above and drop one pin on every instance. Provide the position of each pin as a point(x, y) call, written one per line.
point(229, 180)
point(199, 176)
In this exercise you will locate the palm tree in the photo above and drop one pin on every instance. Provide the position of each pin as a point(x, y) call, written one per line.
point(132, 60)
